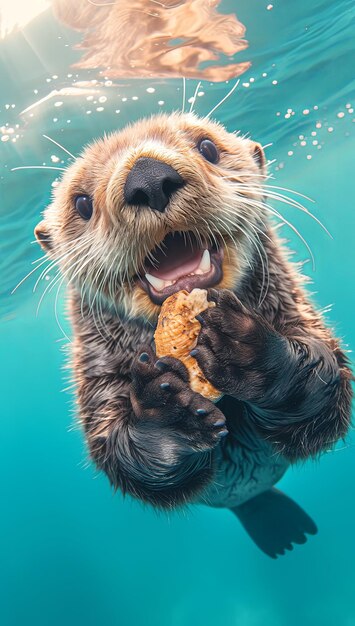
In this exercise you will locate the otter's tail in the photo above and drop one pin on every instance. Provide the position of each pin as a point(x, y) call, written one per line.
point(275, 522)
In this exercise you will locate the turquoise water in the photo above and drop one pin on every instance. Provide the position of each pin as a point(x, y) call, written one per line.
point(72, 552)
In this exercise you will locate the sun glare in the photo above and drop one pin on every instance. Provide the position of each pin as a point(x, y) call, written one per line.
point(15, 14)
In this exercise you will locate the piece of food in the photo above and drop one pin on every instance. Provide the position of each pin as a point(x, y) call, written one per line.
point(177, 332)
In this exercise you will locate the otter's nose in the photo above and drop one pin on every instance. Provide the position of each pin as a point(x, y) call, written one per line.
point(151, 182)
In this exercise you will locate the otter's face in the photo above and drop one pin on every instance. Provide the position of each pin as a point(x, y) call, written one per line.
point(169, 203)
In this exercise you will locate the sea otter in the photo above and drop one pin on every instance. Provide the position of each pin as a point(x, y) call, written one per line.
point(176, 202)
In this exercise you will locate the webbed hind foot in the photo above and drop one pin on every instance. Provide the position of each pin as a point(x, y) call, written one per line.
point(275, 522)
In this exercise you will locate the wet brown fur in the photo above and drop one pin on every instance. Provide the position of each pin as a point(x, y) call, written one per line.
point(167, 462)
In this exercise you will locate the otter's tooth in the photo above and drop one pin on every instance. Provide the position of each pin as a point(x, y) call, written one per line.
point(205, 263)
point(157, 283)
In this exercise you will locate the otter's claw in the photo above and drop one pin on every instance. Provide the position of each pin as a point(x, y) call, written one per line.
point(161, 391)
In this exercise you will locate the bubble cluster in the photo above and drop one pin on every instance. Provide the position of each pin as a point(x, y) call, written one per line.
point(318, 131)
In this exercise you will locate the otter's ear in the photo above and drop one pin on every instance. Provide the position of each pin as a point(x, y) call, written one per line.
point(258, 155)
point(43, 237)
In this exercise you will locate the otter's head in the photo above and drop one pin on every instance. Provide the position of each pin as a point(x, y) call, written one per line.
point(169, 203)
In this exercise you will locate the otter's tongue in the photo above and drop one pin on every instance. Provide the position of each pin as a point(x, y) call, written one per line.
point(178, 257)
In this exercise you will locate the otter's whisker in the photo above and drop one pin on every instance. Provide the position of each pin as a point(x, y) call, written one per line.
point(223, 99)
point(194, 97)
point(41, 258)
point(253, 240)
point(264, 264)
point(56, 312)
point(183, 94)
point(103, 322)
point(111, 285)
point(97, 322)
point(276, 213)
point(285, 200)
point(67, 267)
point(199, 238)
point(210, 231)
point(41, 261)
point(53, 282)
point(28, 275)
point(100, 271)
point(231, 236)
point(82, 263)
point(91, 307)
point(296, 193)
point(235, 177)
point(59, 146)
point(38, 167)
point(99, 302)
point(72, 251)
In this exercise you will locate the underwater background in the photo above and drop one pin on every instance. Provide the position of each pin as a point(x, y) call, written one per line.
point(72, 552)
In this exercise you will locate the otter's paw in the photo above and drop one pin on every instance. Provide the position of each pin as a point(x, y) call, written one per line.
point(161, 393)
point(236, 349)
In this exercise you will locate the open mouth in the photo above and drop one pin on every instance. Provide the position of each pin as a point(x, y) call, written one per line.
point(181, 262)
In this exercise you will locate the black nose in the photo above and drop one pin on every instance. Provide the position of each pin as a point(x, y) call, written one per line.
point(151, 183)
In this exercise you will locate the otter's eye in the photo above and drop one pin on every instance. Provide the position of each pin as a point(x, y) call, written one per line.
point(209, 150)
point(83, 205)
